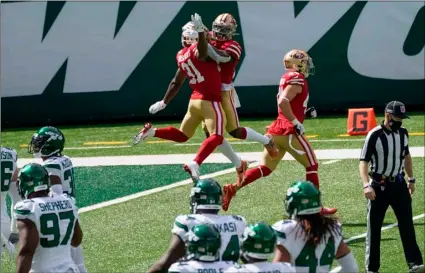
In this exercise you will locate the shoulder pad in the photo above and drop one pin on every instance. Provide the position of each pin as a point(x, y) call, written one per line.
point(284, 227)
point(182, 222)
point(24, 208)
point(294, 78)
point(234, 49)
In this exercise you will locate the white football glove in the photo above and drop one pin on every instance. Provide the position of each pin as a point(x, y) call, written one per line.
point(198, 26)
point(156, 107)
point(299, 128)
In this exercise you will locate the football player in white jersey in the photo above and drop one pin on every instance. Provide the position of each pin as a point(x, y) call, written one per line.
point(259, 242)
point(205, 201)
point(310, 241)
point(9, 175)
point(48, 225)
point(48, 143)
point(203, 252)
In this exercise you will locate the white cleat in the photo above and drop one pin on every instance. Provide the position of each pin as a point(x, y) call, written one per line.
point(146, 132)
point(193, 169)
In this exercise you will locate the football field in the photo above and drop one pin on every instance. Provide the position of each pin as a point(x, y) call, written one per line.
point(129, 195)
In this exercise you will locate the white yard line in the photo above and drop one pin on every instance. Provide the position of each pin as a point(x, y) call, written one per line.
point(321, 154)
point(254, 142)
point(156, 190)
point(363, 235)
point(331, 161)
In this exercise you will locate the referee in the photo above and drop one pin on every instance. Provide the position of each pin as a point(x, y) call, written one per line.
point(386, 150)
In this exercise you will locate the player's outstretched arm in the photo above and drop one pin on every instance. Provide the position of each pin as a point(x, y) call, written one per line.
point(175, 251)
point(77, 238)
point(220, 56)
point(174, 86)
point(346, 260)
point(202, 46)
point(28, 241)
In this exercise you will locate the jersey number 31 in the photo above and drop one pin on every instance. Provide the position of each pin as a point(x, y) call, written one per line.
point(193, 73)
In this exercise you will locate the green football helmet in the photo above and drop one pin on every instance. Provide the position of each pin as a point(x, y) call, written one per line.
point(302, 198)
point(32, 178)
point(206, 195)
point(204, 243)
point(46, 142)
point(258, 241)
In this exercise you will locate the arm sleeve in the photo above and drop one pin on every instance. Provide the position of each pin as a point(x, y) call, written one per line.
point(406, 143)
point(216, 57)
point(368, 147)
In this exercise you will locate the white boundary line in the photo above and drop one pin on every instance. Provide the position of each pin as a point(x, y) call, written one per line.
point(331, 161)
point(363, 235)
point(156, 190)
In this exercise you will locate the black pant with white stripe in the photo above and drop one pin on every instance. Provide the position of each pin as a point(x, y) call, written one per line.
point(396, 195)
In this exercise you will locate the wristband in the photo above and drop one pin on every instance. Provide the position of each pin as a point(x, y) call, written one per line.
point(366, 186)
point(411, 180)
point(295, 121)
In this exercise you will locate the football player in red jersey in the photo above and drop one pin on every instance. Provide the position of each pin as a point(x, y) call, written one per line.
point(205, 101)
point(287, 130)
point(223, 30)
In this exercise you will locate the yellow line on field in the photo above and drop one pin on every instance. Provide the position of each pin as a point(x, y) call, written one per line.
point(23, 145)
point(105, 143)
point(158, 141)
point(417, 134)
point(311, 136)
point(344, 135)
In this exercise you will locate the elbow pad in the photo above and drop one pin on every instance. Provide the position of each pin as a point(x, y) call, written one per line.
point(215, 56)
point(348, 264)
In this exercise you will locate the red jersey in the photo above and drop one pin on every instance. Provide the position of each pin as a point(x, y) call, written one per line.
point(299, 102)
point(204, 77)
point(234, 49)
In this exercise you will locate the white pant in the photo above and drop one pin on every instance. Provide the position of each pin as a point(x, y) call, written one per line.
point(78, 258)
point(65, 268)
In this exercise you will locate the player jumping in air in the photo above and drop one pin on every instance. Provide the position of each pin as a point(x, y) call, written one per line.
point(287, 130)
point(205, 102)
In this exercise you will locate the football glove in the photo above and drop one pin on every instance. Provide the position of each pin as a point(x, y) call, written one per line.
point(198, 26)
point(156, 107)
point(299, 128)
point(311, 112)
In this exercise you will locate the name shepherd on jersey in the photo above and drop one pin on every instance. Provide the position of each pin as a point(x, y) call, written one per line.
point(54, 206)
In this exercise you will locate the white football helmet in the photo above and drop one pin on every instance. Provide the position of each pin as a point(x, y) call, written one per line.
point(189, 35)
point(299, 60)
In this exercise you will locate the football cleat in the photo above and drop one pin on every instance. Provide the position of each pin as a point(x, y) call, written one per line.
point(229, 191)
point(325, 210)
point(271, 148)
point(193, 169)
point(241, 172)
point(146, 132)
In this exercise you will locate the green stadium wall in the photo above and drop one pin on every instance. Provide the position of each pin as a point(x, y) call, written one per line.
point(79, 62)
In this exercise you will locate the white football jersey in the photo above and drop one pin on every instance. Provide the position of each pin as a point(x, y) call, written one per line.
point(54, 218)
point(305, 257)
point(61, 166)
point(9, 158)
point(198, 266)
point(231, 229)
point(263, 267)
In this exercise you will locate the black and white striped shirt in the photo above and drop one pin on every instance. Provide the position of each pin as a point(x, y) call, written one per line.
point(385, 150)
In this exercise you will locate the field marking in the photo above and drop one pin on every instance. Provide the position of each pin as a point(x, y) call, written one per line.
point(97, 147)
point(363, 235)
point(156, 190)
point(331, 161)
point(105, 142)
point(166, 159)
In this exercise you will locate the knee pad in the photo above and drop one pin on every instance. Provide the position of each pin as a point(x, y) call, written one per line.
point(312, 168)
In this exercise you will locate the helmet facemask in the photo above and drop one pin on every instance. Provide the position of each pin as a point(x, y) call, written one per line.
point(36, 144)
point(223, 32)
